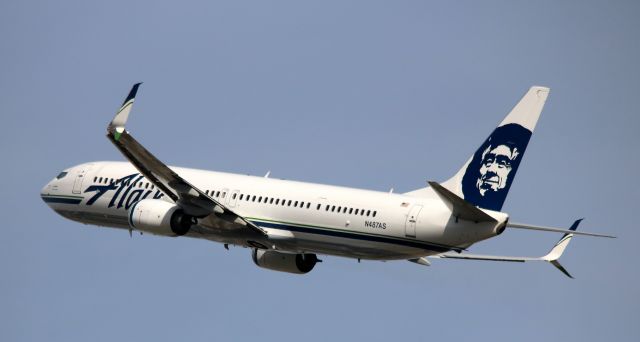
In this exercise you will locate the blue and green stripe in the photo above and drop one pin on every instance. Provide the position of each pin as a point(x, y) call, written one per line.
point(304, 228)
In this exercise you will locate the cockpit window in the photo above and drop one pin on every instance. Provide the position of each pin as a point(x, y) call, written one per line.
point(61, 175)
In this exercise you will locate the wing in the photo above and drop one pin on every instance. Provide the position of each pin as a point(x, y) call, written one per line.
point(552, 257)
point(193, 201)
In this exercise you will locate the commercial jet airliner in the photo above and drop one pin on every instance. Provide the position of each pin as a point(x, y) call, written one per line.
point(286, 224)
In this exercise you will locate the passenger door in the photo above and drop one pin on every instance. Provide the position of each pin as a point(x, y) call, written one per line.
point(77, 183)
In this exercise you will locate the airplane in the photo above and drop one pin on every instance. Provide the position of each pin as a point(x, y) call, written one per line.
point(287, 224)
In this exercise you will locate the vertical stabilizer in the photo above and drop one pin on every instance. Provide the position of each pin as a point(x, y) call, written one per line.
point(485, 179)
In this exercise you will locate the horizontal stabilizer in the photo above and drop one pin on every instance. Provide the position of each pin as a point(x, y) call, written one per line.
point(554, 230)
point(461, 208)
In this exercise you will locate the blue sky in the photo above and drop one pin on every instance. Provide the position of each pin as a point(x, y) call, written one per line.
point(369, 94)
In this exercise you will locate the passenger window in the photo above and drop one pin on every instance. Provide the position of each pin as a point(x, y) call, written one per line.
point(233, 196)
point(308, 204)
point(241, 195)
point(95, 179)
point(361, 212)
point(289, 203)
point(368, 211)
point(218, 194)
point(326, 208)
point(277, 201)
point(224, 193)
point(356, 212)
point(350, 211)
point(295, 204)
point(318, 208)
point(100, 181)
point(333, 208)
point(374, 213)
point(339, 209)
point(344, 210)
point(271, 200)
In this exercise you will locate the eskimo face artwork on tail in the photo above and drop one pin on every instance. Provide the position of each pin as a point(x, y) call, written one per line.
point(491, 171)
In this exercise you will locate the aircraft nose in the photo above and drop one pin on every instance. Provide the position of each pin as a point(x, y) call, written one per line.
point(46, 190)
point(52, 188)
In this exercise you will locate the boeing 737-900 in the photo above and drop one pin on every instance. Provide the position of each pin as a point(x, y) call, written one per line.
point(286, 224)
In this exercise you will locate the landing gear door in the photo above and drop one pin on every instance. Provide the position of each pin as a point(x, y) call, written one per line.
point(412, 219)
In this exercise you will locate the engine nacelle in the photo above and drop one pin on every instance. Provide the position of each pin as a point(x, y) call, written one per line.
point(284, 262)
point(159, 217)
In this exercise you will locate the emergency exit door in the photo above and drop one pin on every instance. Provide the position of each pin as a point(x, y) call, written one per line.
point(412, 219)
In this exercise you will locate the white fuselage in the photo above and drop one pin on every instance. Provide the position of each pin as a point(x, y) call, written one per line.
point(298, 217)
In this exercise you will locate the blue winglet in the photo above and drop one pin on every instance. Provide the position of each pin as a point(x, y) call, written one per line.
point(132, 93)
point(574, 226)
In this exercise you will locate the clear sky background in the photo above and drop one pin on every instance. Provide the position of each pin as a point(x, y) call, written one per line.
point(369, 94)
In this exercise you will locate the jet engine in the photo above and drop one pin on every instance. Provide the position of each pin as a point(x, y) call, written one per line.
point(284, 262)
point(160, 218)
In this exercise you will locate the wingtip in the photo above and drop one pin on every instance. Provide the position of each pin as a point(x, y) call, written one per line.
point(561, 268)
point(132, 93)
point(121, 117)
point(575, 224)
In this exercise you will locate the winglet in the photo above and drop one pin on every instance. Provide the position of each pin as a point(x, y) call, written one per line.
point(120, 120)
point(556, 252)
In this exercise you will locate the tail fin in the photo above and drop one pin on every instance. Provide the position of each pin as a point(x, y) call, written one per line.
point(486, 177)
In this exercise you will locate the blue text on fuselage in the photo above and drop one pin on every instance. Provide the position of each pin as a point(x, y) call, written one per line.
point(125, 194)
